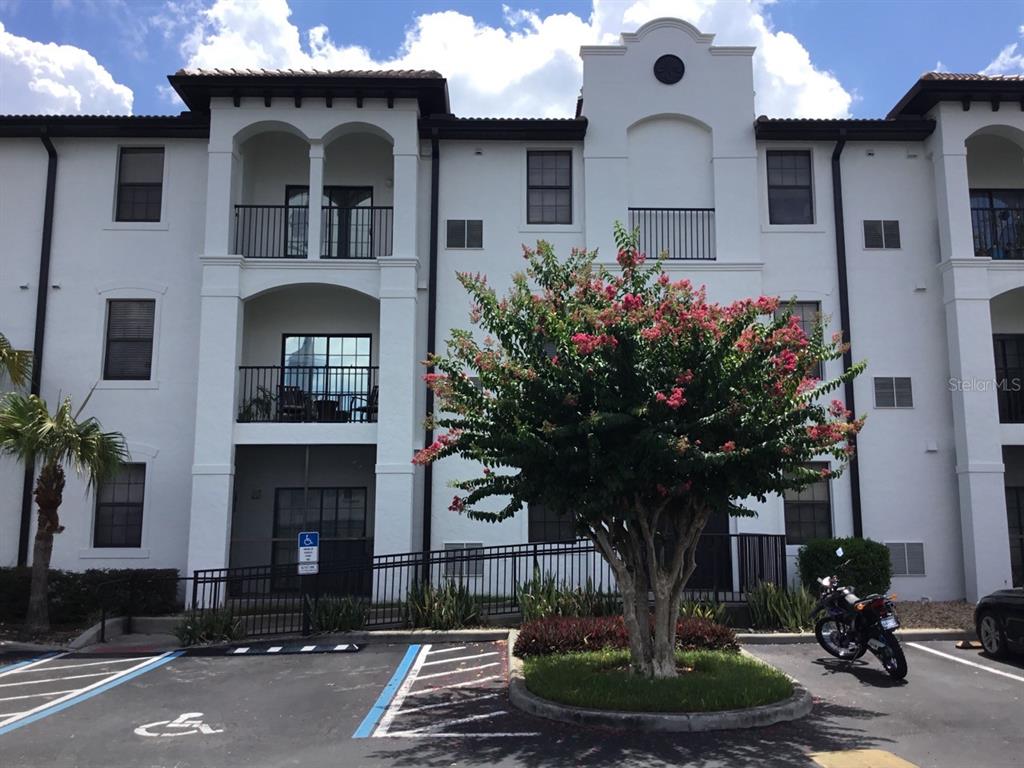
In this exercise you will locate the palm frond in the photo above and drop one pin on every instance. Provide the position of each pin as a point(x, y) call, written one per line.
point(15, 364)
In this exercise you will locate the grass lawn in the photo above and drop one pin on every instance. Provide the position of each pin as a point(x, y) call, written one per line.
point(713, 681)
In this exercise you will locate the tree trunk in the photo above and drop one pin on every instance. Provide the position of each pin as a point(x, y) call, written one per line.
point(49, 494)
point(636, 617)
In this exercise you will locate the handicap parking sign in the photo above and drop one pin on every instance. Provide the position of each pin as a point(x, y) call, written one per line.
point(309, 549)
point(309, 539)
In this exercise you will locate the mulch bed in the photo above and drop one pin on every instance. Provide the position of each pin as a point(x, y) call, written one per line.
point(954, 614)
point(57, 635)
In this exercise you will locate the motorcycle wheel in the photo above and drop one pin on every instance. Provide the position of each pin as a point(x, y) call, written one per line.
point(892, 657)
point(825, 629)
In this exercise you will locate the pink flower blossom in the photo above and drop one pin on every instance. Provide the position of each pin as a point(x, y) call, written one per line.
point(588, 343)
point(673, 400)
point(458, 504)
point(729, 446)
point(631, 301)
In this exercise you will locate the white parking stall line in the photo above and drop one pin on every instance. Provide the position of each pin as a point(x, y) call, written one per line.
point(400, 695)
point(461, 658)
point(459, 671)
point(974, 664)
point(31, 665)
point(454, 703)
point(448, 650)
point(447, 723)
point(463, 684)
point(76, 666)
point(37, 695)
point(53, 679)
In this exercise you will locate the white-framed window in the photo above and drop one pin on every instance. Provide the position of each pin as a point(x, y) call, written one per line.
point(907, 558)
point(128, 347)
point(893, 392)
point(881, 234)
point(120, 503)
point(140, 183)
point(464, 233)
point(790, 186)
point(808, 513)
point(459, 563)
point(549, 186)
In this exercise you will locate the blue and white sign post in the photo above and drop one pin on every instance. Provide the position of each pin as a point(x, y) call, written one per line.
point(309, 553)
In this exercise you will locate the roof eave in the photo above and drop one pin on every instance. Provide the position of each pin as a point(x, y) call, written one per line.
point(503, 129)
point(114, 126)
point(925, 94)
point(904, 129)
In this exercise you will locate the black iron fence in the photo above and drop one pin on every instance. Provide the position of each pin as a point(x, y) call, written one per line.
point(307, 393)
point(675, 233)
point(998, 232)
point(274, 600)
point(356, 233)
point(272, 231)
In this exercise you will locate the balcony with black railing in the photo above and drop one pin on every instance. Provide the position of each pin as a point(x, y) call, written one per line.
point(677, 233)
point(307, 393)
point(998, 232)
point(282, 232)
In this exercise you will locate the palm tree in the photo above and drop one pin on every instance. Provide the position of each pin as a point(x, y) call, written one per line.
point(15, 364)
point(31, 434)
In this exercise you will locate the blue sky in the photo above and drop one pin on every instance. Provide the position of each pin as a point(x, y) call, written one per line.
point(862, 55)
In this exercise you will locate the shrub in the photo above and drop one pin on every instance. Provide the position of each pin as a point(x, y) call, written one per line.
point(869, 570)
point(774, 608)
point(209, 627)
point(337, 614)
point(541, 597)
point(562, 634)
point(78, 596)
point(704, 609)
point(449, 606)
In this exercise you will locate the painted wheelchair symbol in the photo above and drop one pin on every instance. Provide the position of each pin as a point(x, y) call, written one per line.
point(185, 725)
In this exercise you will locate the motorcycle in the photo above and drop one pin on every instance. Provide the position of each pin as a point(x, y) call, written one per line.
point(851, 626)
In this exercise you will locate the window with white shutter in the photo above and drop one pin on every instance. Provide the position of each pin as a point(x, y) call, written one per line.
point(129, 347)
point(893, 392)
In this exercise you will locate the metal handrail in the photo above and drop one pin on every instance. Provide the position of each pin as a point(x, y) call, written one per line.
point(675, 233)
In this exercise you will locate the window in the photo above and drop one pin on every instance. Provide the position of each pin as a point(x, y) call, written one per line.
point(893, 392)
point(907, 558)
point(119, 508)
point(457, 565)
point(465, 233)
point(808, 512)
point(140, 176)
point(545, 525)
point(809, 314)
point(789, 187)
point(549, 187)
point(997, 219)
point(129, 351)
point(879, 233)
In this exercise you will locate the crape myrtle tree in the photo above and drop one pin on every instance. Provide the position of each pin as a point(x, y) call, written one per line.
point(630, 402)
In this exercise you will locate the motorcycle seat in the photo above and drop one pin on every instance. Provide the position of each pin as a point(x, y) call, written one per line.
point(852, 599)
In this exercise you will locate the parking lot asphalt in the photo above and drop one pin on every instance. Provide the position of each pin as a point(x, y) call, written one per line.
point(446, 705)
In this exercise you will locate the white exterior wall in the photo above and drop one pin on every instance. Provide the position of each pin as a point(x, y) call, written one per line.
point(931, 474)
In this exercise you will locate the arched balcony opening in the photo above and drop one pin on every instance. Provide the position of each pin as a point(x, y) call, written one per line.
point(272, 193)
point(995, 174)
point(357, 215)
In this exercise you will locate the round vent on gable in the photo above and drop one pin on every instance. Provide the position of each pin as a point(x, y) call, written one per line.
point(669, 69)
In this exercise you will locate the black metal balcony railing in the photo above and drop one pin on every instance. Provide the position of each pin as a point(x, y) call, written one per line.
point(282, 232)
point(307, 393)
point(1008, 349)
point(676, 233)
point(998, 232)
point(356, 233)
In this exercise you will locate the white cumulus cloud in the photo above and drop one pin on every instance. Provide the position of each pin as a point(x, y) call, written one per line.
point(1010, 60)
point(46, 78)
point(527, 66)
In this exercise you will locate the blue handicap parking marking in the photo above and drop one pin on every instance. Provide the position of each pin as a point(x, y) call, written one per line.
point(309, 539)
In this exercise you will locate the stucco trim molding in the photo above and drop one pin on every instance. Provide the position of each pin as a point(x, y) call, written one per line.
point(666, 22)
point(132, 285)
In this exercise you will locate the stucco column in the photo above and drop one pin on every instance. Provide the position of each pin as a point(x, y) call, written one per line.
point(213, 454)
point(605, 201)
point(737, 220)
point(406, 211)
point(220, 214)
point(398, 425)
point(979, 460)
point(316, 194)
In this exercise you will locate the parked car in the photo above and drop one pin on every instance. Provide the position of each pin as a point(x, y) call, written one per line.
point(999, 619)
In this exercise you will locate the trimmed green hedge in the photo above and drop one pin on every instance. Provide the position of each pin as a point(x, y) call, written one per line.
point(75, 596)
point(869, 570)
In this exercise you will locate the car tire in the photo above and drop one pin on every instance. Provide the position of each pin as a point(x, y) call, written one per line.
point(992, 635)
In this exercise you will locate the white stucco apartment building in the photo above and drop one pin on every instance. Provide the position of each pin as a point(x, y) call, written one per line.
point(254, 348)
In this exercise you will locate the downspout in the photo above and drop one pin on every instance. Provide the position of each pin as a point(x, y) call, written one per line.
point(844, 319)
point(42, 292)
point(428, 437)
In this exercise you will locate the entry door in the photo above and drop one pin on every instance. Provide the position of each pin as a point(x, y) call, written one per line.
point(348, 223)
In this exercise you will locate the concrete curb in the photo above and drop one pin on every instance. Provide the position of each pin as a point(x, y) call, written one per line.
point(10, 646)
point(906, 635)
point(91, 636)
point(796, 706)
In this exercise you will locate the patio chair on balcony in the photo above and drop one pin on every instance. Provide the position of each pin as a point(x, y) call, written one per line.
point(367, 411)
point(292, 404)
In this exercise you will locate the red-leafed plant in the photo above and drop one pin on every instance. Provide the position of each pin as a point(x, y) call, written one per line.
point(565, 634)
point(632, 403)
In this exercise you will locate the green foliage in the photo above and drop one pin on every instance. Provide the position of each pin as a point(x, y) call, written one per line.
point(704, 609)
point(213, 626)
point(449, 606)
point(774, 608)
point(716, 680)
point(337, 614)
point(77, 597)
point(15, 364)
point(542, 596)
point(868, 571)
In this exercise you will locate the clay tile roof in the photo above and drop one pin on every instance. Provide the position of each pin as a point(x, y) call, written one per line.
point(411, 74)
point(971, 77)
